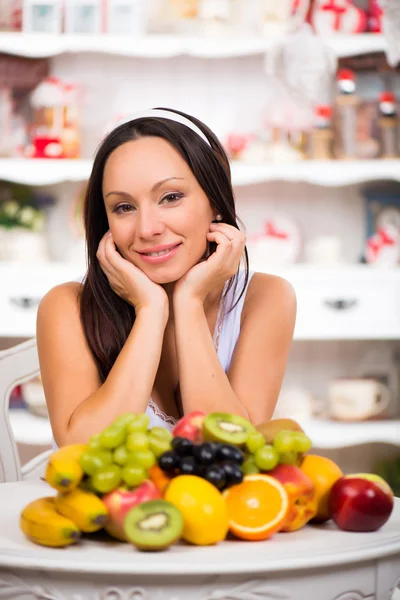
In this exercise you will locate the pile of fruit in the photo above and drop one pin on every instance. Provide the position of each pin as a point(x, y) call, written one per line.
point(213, 476)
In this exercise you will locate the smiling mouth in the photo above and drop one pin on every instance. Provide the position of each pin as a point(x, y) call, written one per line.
point(161, 253)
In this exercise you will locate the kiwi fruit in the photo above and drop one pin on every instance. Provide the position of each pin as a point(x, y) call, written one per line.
point(153, 525)
point(227, 428)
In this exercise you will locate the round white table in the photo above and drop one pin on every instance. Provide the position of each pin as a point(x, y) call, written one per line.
point(317, 562)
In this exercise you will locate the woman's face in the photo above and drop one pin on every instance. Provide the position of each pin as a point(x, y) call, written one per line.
point(155, 204)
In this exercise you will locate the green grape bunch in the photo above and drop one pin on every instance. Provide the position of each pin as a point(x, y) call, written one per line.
point(287, 447)
point(122, 454)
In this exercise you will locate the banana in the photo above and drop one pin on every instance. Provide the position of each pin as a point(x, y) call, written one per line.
point(63, 471)
point(85, 509)
point(42, 524)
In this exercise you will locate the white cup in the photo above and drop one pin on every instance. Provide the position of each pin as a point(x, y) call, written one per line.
point(357, 399)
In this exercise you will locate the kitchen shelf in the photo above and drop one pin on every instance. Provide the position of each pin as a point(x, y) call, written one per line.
point(348, 302)
point(349, 272)
point(334, 173)
point(44, 172)
point(329, 434)
point(374, 295)
point(31, 429)
point(168, 46)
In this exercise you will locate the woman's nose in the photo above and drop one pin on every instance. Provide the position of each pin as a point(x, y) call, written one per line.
point(149, 224)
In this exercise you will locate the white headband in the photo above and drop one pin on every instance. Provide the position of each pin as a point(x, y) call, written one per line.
point(164, 114)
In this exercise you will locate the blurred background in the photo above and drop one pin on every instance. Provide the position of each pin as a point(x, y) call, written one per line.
point(304, 96)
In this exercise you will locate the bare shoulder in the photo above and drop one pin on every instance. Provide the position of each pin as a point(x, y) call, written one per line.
point(269, 293)
point(59, 298)
point(64, 291)
point(59, 314)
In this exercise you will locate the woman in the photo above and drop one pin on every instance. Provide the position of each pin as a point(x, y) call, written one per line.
point(164, 321)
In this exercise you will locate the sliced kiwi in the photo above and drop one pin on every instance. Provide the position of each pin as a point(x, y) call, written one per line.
point(223, 427)
point(153, 525)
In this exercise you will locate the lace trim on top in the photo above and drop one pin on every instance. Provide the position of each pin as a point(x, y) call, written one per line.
point(160, 414)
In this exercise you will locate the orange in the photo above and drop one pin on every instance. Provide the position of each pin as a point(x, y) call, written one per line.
point(257, 508)
point(203, 509)
point(159, 478)
point(323, 472)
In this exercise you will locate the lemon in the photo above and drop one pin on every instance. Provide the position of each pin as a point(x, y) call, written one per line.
point(203, 509)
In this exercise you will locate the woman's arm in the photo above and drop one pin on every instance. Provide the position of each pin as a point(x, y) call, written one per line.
point(251, 387)
point(79, 405)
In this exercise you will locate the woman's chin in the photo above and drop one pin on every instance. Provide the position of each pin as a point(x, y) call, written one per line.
point(164, 276)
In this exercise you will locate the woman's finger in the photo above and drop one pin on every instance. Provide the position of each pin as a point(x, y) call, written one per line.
point(101, 247)
point(231, 250)
point(117, 262)
point(114, 260)
point(105, 271)
point(219, 238)
point(106, 265)
point(223, 249)
point(231, 232)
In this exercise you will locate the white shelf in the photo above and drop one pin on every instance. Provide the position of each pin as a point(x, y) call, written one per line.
point(44, 172)
point(370, 297)
point(333, 173)
point(353, 45)
point(347, 272)
point(30, 429)
point(167, 46)
point(329, 434)
point(376, 316)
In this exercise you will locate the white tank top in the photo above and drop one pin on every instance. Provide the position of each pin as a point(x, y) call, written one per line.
point(228, 337)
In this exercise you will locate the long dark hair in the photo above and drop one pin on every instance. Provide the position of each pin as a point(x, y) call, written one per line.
point(107, 319)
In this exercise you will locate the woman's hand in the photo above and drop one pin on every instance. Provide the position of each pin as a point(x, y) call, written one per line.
point(127, 280)
point(219, 267)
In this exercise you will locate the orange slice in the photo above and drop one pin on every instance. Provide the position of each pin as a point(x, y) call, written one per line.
point(257, 508)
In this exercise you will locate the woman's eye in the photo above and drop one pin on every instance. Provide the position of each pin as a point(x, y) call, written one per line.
point(123, 208)
point(170, 198)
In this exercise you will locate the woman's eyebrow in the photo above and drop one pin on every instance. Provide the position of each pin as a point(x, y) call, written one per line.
point(153, 189)
point(157, 185)
point(116, 193)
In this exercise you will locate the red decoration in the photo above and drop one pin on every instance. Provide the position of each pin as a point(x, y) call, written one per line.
point(345, 74)
point(377, 242)
point(272, 231)
point(387, 97)
point(324, 111)
point(375, 14)
point(387, 239)
point(236, 143)
point(337, 15)
point(47, 147)
point(338, 10)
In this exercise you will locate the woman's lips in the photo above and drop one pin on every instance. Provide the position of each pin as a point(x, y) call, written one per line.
point(154, 260)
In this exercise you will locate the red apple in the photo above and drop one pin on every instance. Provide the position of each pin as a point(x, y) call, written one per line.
point(360, 502)
point(301, 492)
point(190, 426)
point(120, 501)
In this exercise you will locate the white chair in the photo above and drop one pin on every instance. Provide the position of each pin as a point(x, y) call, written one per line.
point(17, 365)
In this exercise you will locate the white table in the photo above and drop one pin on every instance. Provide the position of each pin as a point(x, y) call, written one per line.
point(318, 563)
